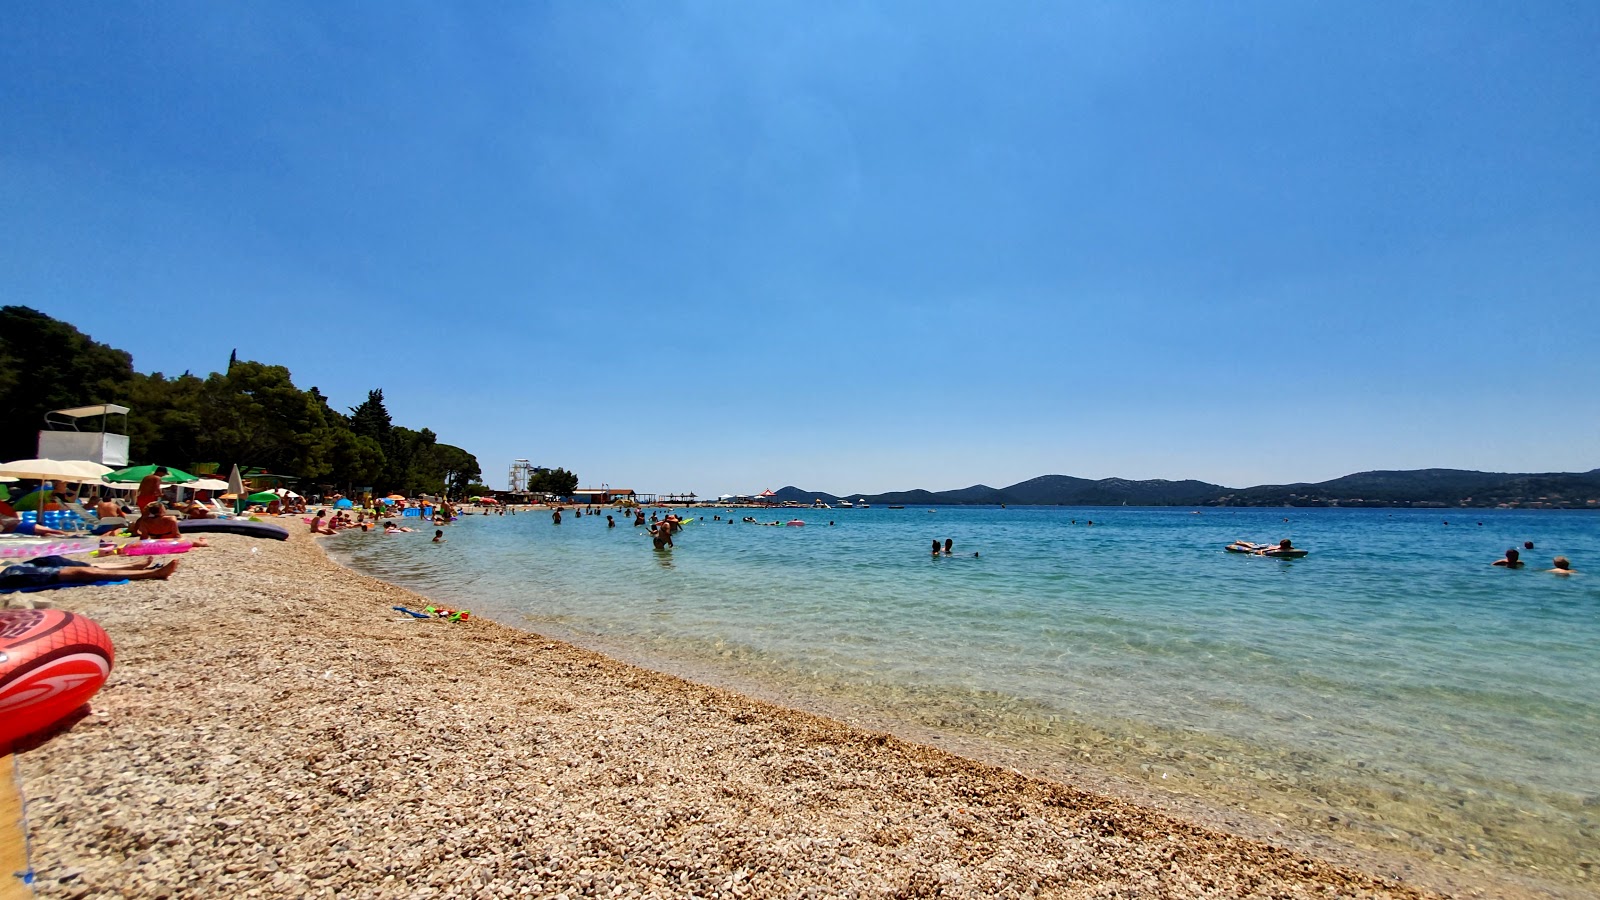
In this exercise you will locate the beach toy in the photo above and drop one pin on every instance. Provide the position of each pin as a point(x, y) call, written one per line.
point(157, 548)
point(410, 612)
point(51, 663)
point(794, 523)
point(19, 548)
point(234, 526)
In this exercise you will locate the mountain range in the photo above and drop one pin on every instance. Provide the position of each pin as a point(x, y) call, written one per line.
point(1413, 487)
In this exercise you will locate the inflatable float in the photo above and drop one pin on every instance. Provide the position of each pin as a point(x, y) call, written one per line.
point(1271, 550)
point(234, 526)
point(796, 523)
point(51, 663)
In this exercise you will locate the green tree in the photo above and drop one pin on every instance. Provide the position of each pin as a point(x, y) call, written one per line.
point(47, 364)
point(553, 481)
point(255, 415)
point(458, 468)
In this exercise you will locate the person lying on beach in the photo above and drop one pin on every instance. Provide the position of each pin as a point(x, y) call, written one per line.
point(1562, 567)
point(47, 570)
point(15, 525)
point(108, 509)
point(197, 510)
point(1511, 561)
point(155, 524)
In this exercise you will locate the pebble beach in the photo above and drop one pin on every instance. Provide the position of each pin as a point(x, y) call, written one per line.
point(274, 729)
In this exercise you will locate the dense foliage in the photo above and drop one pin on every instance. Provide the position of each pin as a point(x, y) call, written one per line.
point(252, 415)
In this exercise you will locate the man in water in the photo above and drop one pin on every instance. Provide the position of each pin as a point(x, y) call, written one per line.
point(438, 536)
point(611, 522)
point(1511, 561)
point(555, 517)
point(949, 545)
point(1562, 567)
point(661, 535)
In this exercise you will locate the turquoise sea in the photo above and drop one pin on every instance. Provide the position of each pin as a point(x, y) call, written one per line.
point(1390, 691)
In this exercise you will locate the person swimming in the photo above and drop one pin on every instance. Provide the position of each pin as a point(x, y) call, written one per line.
point(1563, 566)
point(1512, 560)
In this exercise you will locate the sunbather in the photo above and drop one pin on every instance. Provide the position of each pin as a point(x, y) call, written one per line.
point(155, 524)
point(47, 570)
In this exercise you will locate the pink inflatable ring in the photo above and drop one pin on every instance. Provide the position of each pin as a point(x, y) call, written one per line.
point(51, 663)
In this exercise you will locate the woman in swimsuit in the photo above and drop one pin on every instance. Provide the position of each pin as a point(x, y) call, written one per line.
point(155, 524)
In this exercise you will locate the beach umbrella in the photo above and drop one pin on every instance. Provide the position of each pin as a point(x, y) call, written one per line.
point(73, 470)
point(344, 503)
point(138, 473)
point(236, 488)
point(265, 497)
point(208, 484)
point(394, 497)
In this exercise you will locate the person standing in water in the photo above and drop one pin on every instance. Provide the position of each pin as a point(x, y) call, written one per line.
point(1512, 560)
point(949, 545)
point(555, 517)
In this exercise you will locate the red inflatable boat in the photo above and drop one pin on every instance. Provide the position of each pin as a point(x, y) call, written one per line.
point(51, 663)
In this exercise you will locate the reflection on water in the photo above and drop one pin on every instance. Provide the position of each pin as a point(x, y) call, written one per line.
point(1391, 689)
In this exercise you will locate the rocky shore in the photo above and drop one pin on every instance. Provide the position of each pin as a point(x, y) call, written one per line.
point(274, 729)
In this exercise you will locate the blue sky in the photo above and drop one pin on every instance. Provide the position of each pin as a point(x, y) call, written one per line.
point(728, 246)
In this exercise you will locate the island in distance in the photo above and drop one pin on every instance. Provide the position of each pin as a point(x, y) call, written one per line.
point(1427, 488)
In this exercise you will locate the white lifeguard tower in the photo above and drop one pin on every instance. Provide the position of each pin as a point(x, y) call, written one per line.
point(63, 439)
point(521, 473)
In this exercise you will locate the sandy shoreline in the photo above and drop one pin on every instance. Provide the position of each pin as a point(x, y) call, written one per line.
point(273, 729)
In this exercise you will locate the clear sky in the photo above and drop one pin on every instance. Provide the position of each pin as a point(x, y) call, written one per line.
point(726, 246)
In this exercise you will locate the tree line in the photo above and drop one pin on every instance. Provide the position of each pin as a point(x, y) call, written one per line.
point(252, 415)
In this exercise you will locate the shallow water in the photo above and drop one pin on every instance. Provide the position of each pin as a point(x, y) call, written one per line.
point(1392, 689)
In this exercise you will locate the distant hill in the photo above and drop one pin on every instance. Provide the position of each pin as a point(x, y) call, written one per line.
point(1415, 487)
point(1064, 490)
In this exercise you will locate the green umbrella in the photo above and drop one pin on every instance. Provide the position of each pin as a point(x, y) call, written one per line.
point(265, 497)
point(138, 473)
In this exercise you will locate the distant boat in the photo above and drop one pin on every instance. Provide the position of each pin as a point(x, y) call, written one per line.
point(846, 504)
point(818, 504)
point(897, 507)
point(862, 504)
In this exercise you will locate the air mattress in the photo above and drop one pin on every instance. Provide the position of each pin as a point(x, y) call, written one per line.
point(233, 526)
point(51, 663)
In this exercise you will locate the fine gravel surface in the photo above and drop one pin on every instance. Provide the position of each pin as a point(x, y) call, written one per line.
point(274, 729)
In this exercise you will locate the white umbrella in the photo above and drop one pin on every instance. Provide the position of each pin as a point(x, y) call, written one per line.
point(73, 470)
point(236, 488)
point(208, 484)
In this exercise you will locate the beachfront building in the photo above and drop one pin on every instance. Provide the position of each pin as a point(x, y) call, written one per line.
point(603, 496)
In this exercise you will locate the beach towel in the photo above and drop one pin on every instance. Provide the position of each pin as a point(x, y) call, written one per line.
point(60, 584)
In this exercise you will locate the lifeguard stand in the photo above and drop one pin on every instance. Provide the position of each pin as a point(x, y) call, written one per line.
point(521, 476)
point(62, 438)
